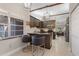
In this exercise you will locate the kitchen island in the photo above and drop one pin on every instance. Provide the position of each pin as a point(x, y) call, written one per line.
point(48, 40)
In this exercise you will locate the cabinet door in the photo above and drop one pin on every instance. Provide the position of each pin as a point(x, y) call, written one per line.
point(41, 24)
point(31, 23)
point(34, 22)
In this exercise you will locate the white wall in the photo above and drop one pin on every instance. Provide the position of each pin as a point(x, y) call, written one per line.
point(74, 29)
point(9, 45)
point(14, 10)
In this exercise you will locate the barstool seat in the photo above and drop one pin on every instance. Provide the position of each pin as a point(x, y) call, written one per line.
point(36, 40)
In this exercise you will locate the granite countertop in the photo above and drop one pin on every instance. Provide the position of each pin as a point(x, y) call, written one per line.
point(39, 33)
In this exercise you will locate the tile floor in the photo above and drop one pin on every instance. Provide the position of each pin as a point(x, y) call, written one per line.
point(59, 48)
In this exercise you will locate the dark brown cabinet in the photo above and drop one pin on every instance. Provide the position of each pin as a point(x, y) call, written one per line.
point(41, 24)
point(34, 22)
point(49, 24)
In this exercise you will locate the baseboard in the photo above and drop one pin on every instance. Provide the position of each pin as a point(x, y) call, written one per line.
point(13, 51)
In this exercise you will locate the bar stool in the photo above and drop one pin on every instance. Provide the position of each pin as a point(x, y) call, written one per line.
point(37, 42)
point(26, 39)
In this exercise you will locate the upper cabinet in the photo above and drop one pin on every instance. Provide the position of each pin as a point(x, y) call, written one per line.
point(49, 24)
point(34, 22)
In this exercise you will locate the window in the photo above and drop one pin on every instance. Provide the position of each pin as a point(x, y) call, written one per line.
point(3, 26)
point(1, 30)
point(16, 27)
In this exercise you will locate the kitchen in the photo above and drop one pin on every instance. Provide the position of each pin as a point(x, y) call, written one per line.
point(45, 23)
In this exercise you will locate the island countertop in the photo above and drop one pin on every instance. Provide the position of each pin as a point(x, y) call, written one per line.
point(39, 33)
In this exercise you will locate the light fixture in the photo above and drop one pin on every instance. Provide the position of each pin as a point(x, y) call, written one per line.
point(46, 15)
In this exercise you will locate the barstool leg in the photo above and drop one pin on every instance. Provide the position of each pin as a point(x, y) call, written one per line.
point(38, 50)
point(32, 51)
point(43, 50)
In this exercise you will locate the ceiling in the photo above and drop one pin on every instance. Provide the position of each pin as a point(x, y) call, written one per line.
point(39, 5)
point(53, 10)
